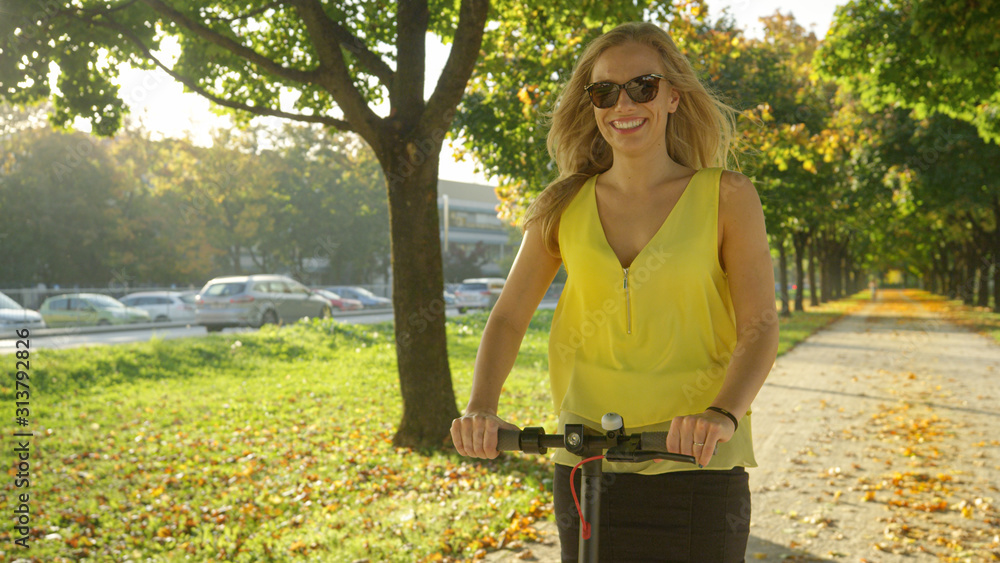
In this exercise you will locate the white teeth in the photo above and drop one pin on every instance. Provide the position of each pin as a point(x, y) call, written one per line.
point(632, 124)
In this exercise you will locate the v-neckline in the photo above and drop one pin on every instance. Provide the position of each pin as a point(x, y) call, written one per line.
point(607, 244)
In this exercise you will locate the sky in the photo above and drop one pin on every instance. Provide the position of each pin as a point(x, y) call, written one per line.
point(162, 106)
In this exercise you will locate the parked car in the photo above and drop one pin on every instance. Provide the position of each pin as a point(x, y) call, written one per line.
point(255, 301)
point(76, 309)
point(478, 293)
point(449, 298)
point(14, 316)
point(342, 303)
point(367, 298)
point(164, 306)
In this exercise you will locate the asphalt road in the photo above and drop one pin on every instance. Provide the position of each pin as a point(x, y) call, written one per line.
point(85, 337)
point(106, 336)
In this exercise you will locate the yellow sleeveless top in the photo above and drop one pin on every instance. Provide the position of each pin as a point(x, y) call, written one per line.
point(651, 341)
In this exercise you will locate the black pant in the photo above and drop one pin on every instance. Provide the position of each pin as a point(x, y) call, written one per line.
point(685, 516)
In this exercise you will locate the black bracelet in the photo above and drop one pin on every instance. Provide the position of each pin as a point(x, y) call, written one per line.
point(728, 414)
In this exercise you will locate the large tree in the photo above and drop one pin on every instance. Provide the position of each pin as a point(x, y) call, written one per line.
point(339, 60)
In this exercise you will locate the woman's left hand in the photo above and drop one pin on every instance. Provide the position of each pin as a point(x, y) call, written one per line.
point(697, 435)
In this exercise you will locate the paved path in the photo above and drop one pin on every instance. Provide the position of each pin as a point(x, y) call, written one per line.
point(877, 440)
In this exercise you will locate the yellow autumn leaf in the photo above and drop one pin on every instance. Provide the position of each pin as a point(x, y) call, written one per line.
point(523, 95)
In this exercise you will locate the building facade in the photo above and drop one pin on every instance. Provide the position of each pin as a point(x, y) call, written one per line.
point(468, 218)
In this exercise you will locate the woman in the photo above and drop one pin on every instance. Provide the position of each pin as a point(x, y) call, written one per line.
point(667, 316)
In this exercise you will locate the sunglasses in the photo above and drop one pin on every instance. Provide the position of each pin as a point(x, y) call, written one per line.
point(641, 89)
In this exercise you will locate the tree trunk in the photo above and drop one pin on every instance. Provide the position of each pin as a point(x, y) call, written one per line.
point(799, 239)
point(995, 254)
point(234, 257)
point(951, 270)
point(848, 270)
point(783, 274)
point(825, 271)
point(937, 277)
point(813, 289)
point(942, 269)
point(845, 271)
point(983, 286)
point(968, 296)
point(996, 272)
point(992, 273)
point(421, 346)
point(836, 273)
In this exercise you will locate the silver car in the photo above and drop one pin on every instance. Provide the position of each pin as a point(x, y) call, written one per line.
point(255, 301)
point(14, 316)
point(164, 306)
point(478, 293)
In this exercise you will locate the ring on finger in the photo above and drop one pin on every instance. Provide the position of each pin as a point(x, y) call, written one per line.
point(699, 443)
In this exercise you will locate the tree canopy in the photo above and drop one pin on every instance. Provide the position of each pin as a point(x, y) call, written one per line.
point(925, 55)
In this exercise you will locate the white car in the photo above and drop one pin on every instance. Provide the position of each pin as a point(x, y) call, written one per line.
point(164, 306)
point(14, 316)
point(478, 293)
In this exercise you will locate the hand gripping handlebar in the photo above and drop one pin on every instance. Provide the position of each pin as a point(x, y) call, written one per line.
point(578, 439)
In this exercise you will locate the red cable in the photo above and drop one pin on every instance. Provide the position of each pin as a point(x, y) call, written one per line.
point(584, 525)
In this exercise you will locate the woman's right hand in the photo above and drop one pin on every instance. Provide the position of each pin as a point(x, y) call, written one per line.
point(475, 434)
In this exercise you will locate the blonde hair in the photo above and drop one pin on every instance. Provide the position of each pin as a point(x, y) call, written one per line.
point(699, 134)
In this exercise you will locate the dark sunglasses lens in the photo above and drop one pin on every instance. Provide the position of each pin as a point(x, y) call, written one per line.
point(604, 95)
point(643, 89)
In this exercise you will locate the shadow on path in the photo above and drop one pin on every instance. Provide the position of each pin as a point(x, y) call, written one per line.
point(880, 398)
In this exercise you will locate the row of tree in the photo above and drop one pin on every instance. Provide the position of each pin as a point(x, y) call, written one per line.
point(133, 210)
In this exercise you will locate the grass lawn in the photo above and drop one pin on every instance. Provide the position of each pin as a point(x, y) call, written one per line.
point(273, 446)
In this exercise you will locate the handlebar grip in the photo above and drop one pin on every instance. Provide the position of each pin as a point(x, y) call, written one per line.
point(508, 440)
point(653, 441)
point(657, 442)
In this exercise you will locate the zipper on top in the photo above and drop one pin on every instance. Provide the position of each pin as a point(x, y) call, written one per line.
point(628, 304)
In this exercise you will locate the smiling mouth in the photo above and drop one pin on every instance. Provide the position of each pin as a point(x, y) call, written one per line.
point(628, 125)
